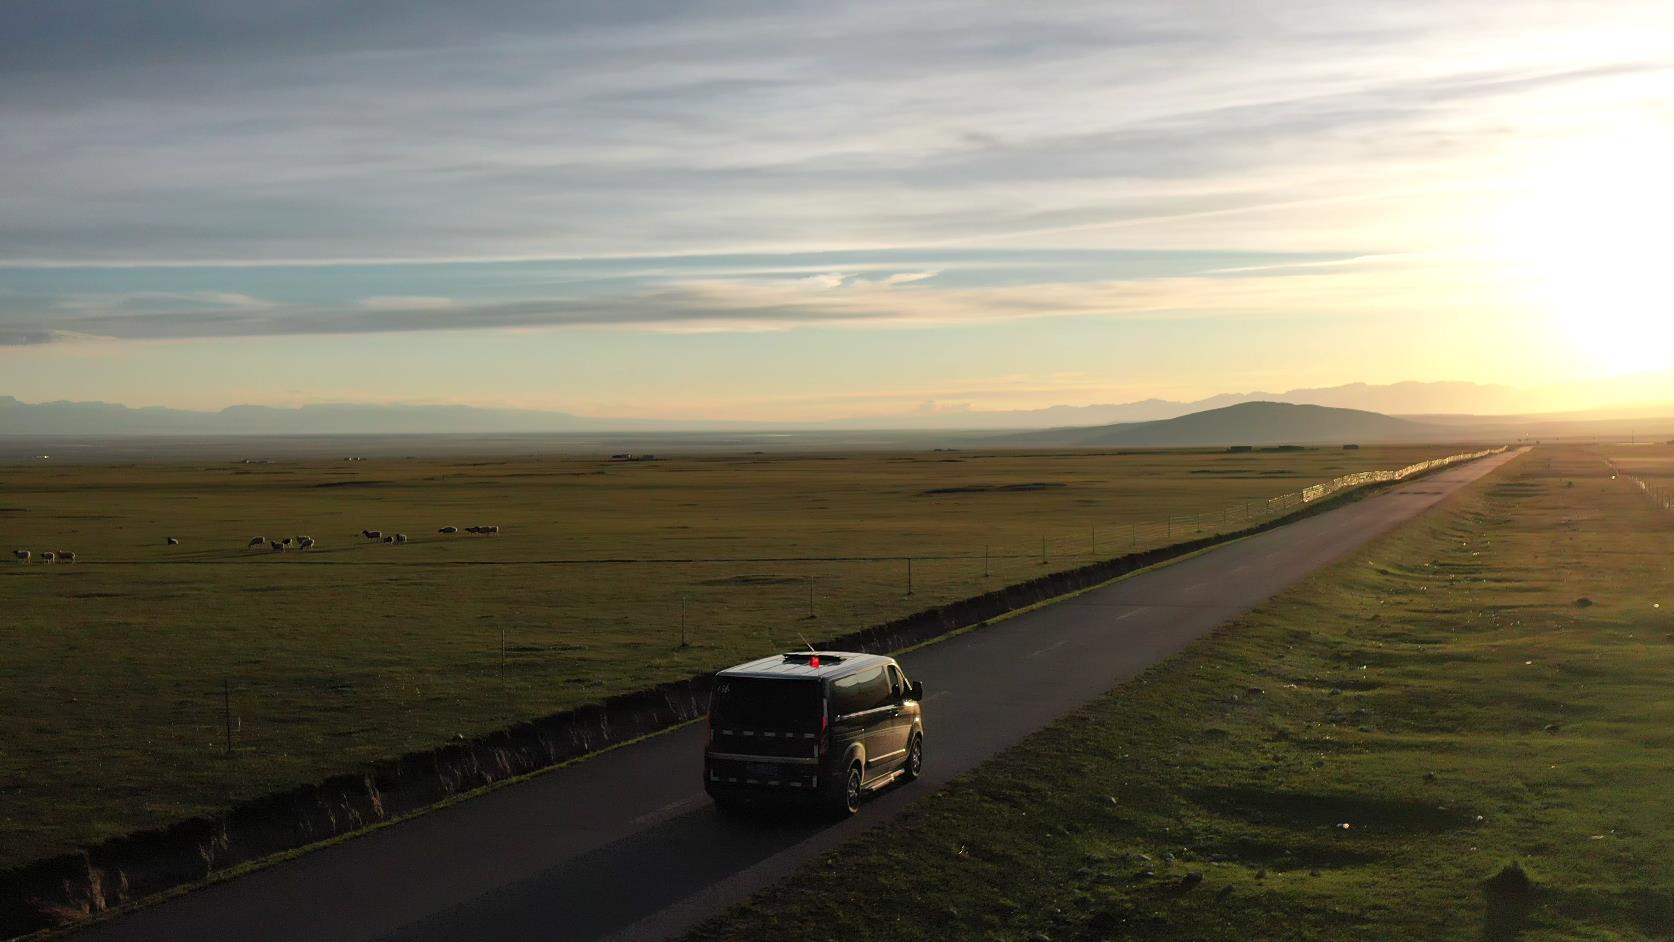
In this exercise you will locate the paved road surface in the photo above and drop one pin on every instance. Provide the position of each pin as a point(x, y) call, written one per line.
point(626, 846)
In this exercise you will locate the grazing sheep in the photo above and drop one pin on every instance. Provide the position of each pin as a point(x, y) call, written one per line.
point(389, 539)
point(172, 541)
point(66, 556)
point(401, 538)
point(257, 540)
point(448, 530)
point(22, 555)
point(48, 557)
point(278, 547)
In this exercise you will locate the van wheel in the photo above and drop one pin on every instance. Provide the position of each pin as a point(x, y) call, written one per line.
point(850, 802)
point(915, 759)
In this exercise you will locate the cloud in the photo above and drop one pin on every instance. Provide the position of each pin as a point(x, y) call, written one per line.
point(26, 336)
point(405, 303)
point(148, 300)
point(829, 300)
point(239, 132)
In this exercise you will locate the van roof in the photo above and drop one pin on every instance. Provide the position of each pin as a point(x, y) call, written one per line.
point(795, 664)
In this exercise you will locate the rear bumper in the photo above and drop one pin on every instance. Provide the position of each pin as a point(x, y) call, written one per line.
point(760, 776)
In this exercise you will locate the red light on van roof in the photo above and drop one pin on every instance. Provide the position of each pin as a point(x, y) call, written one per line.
point(814, 662)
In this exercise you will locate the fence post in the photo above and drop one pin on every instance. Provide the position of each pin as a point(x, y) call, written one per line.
point(909, 575)
point(985, 560)
point(226, 710)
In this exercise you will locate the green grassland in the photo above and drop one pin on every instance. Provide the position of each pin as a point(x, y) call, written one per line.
point(113, 669)
point(1462, 732)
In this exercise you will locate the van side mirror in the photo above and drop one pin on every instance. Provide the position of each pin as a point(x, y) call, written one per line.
point(915, 690)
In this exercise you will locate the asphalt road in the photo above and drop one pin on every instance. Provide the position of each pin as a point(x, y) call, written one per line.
point(625, 845)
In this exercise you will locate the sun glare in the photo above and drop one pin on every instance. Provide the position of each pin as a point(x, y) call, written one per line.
point(1589, 243)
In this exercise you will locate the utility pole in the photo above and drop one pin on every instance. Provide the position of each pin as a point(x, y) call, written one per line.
point(909, 575)
point(226, 710)
point(682, 619)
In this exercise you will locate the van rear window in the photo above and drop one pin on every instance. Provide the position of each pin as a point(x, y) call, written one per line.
point(764, 703)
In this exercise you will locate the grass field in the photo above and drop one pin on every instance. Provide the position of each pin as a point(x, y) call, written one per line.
point(1462, 732)
point(115, 668)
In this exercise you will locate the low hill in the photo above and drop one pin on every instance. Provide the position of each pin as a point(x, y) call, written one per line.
point(1248, 423)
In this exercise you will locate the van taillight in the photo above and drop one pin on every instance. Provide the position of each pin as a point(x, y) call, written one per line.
point(824, 740)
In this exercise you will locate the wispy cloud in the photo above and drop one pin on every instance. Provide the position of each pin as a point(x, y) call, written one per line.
point(406, 303)
point(831, 299)
point(239, 131)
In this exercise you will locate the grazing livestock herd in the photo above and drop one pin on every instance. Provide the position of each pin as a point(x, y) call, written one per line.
point(50, 556)
point(274, 546)
point(281, 545)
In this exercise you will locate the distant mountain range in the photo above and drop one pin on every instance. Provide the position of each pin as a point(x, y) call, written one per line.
point(103, 418)
point(1248, 423)
point(1645, 395)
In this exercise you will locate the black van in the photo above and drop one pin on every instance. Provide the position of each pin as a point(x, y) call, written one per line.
point(819, 726)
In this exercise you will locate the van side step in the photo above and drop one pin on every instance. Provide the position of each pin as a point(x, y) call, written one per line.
point(883, 781)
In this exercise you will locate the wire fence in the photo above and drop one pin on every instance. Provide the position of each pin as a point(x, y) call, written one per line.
point(1660, 494)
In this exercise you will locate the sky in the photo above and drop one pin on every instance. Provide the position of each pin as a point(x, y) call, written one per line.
point(784, 210)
